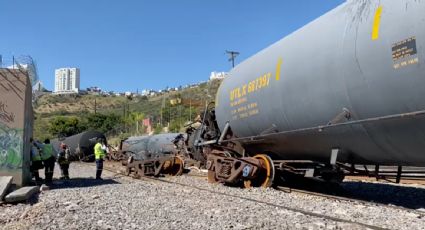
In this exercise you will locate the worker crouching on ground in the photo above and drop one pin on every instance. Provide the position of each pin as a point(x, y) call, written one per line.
point(49, 159)
point(63, 161)
point(99, 154)
point(36, 163)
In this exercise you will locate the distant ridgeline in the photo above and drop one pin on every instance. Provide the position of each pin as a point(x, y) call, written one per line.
point(16, 122)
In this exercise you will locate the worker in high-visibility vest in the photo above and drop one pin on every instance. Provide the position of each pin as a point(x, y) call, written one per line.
point(36, 163)
point(99, 154)
point(49, 159)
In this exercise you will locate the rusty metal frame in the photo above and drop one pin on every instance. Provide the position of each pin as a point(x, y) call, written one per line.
point(230, 169)
point(383, 174)
point(172, 165)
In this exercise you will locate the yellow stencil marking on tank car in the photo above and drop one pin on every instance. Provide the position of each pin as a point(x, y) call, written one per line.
point(255, 85)
point(279, 64)
point(376, 23)
point(239, 96)
point(245, 111)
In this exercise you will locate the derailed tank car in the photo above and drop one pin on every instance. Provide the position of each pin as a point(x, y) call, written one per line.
point(155, 155)
point(80, 145)
point(347, 88)
point(154, 145)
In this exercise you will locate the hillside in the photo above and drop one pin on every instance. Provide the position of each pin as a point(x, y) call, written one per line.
point(159, 108)
point(49, 105)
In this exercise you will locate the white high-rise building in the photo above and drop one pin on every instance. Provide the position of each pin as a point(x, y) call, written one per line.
point(67, 80)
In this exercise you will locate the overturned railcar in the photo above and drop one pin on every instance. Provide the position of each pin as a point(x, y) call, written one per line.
point(80, 145)
point(155, 155)
point(348, 87)
point(145, 147)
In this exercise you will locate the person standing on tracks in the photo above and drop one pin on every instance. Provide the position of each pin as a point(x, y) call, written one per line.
point(49, 159)
point(63, 161)
point(99, 154)
point(36, 163)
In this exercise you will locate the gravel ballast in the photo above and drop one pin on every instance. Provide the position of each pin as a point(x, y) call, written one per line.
point(191, 203)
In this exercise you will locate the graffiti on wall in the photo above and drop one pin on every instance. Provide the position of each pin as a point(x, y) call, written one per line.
point(11, 146)
point(6, 116)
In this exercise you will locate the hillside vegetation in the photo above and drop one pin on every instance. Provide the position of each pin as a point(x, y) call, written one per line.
point(120, 116)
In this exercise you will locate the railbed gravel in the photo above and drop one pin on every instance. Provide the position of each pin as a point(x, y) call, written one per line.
point(123, 203)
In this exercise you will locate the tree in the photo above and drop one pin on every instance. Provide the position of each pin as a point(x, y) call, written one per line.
point(133, 121)
point(66, 126)
point(158, 129)
point(176, 125)
point(101, 122)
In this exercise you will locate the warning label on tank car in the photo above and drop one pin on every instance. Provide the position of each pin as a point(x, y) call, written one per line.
point(404, 53)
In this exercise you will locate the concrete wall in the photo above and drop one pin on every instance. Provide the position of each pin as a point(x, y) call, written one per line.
point(16, 122)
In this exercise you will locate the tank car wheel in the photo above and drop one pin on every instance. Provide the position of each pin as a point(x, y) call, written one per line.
point(140, 171)
point(211, 177)
point(177, 168)
point(128, 168)
point(265, 178)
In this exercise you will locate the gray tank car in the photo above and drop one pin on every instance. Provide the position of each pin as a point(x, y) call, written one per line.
point(145, 147)
point(80, 145)
point(348, 88)
point(155, 155)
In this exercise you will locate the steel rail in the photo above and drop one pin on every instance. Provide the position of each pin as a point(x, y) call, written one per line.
point(305, 212)
point(348, 199)
point(324, 195)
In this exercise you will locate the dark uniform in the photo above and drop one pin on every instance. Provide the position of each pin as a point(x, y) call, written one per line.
point(63, 161)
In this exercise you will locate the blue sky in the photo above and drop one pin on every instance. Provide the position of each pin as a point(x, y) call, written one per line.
point(124, 45)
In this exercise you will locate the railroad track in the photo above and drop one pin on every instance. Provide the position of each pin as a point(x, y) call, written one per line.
point(348, 199)
point(341, 197)
point(117, 171)
point(286, 189)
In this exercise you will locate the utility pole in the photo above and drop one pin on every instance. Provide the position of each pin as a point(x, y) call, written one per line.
point(137, 123)
point(190, 109)
point(162, 107)
point(123, 120)
point(180, 115)
point(127, 116)
point(95, 105)
point(232, 56)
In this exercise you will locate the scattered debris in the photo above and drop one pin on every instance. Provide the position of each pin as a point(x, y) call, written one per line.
point(44, 188)
point(5, 182)
point(22, 194)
